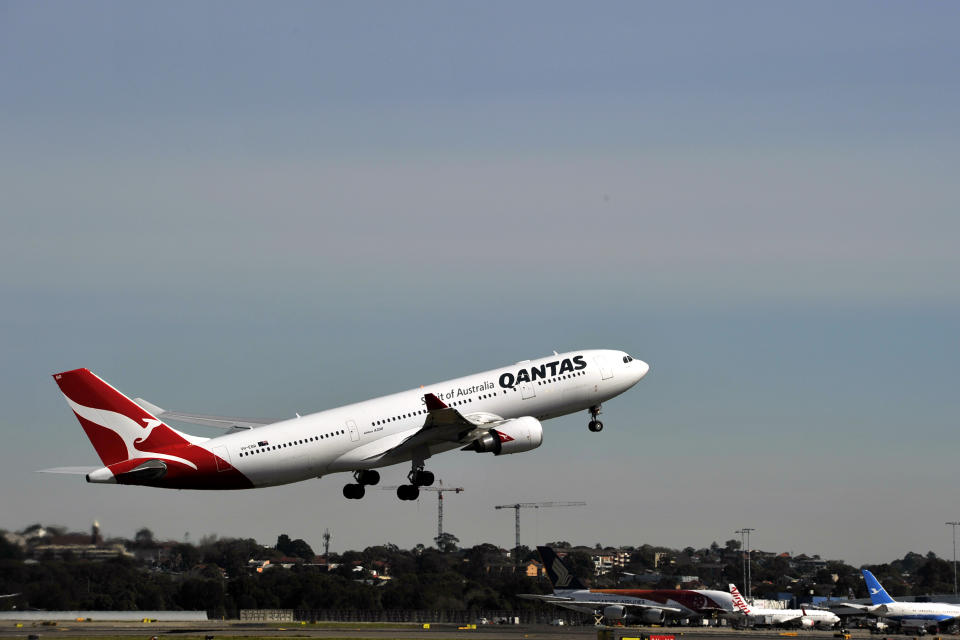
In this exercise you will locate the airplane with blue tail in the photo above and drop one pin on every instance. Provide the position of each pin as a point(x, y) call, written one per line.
point(907, 614)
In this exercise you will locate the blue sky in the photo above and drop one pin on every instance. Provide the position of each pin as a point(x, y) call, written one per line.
point(257, 210)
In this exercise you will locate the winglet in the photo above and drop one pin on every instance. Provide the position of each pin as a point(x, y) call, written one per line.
point(433, 402)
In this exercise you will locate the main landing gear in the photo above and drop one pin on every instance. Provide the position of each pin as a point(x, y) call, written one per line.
point(594, 424)
point(418, 478)
point(363, 477)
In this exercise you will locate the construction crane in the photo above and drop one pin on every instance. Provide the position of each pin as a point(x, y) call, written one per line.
point(440, 491)
point(533, 505)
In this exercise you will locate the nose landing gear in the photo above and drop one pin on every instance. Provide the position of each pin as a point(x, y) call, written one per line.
point(594, 424)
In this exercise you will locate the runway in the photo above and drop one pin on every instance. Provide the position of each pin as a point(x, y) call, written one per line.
point(231, 629)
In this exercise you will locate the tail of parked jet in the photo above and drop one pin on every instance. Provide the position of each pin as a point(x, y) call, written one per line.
point(558, 572)
point(738, 600)
point(118, 428)
point(878, 595)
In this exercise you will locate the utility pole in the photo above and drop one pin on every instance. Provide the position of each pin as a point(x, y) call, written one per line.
point(532, 505)
point(440, 491)
point(326, 544)
point(954, 525)
point(743, 559)
point(745, 548)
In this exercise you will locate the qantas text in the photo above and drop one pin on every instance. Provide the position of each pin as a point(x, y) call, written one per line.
point(557, 367)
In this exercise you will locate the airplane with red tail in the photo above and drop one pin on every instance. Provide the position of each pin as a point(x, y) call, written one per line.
point(497, 411)
point(629, 606)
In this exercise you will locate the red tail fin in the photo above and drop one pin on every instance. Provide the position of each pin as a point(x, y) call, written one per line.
point(118, 428)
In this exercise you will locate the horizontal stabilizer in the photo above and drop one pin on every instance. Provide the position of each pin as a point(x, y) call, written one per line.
point(79, 471)
point(219, 422)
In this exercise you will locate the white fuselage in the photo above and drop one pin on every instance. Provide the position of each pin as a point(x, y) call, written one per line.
point(803, 617)
point(361, 435)
point(916, 613)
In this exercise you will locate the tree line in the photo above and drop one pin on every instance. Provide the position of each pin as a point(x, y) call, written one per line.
point(216, 575)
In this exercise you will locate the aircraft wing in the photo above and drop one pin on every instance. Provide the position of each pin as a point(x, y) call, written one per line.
point(843, 604)
point(596, 604)
point(627, 605)
point(220, 422)
point(442, 425)
point(544, 597)
point(785, 620)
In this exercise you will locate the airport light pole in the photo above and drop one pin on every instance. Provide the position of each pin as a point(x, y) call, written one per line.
point(743, 559)
point(954, 525)
point(745, 540)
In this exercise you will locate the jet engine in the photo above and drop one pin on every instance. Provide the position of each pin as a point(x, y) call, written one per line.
point(615, 612)
point(652, 616)
point(513, 436)
point(807, 623)
point(647, 616)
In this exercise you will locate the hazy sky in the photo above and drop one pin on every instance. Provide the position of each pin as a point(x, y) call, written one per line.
point(260, 209)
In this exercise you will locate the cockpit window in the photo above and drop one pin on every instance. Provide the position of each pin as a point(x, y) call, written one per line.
point(627, 359)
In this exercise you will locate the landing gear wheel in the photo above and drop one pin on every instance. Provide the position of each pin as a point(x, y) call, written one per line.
point(594, 424)
point(353, 491)
point(418, 477)
point(422, 478)
point(367, 476)
point(408, 492)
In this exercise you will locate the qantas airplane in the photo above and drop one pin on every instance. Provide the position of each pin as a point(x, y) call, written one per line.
point(498, 411)
point(783, 617)
point(649, 606)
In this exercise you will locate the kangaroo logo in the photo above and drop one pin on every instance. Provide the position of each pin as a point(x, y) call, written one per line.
point(563, 576)
point(127, 429)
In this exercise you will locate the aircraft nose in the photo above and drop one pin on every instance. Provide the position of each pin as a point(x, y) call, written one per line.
point(642, 368)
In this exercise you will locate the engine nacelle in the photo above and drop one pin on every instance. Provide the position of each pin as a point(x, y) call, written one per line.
point(615, 612)
point(807, 623)
point(653, 616)
point(619, 612)
point(513, 436)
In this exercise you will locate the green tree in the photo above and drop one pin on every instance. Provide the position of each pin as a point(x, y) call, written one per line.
point(294, 548)
point(8, 550)
point(143, 539)
point(446, 542)
point(581, 564)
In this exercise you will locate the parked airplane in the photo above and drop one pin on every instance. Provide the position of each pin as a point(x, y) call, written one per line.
point(648, 606)
point(783, 617)
point(497, 411)
point(907, 614)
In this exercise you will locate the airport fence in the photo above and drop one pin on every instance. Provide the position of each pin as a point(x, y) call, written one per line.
point(439, 616)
